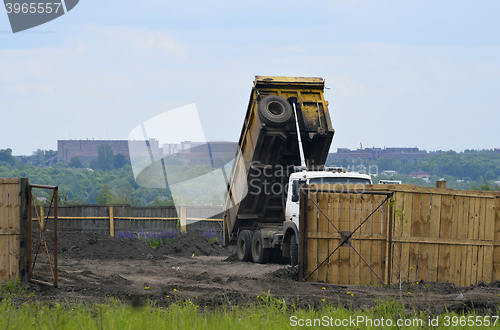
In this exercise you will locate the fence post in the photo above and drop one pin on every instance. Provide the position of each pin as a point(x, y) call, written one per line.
point(42, 218)
point(182, 219)
point(225, 235)
point(23, 234)
point(441, 184)
point(389, 243)
point(111, 222)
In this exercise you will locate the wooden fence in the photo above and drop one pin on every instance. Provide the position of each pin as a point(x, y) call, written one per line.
point(111, 219)
point(400, 233)
point(13, 234)
point(16, 236)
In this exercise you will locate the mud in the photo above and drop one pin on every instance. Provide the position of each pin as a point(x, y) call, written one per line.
point(97, 268)
point(193, 244)
point(82, 246)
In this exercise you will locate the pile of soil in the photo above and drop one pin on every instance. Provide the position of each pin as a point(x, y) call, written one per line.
point(232, 258)
point(193, 243)
point(287, 272)
point(93, 246)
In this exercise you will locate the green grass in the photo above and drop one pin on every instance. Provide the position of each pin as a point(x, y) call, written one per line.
point(12, 288)
point(271, 313)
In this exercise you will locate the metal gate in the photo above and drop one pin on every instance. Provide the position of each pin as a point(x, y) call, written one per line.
point(345, 236)
point(42, 235)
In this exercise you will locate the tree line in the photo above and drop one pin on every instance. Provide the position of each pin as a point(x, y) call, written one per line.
point(109, 179)
point(470, 169)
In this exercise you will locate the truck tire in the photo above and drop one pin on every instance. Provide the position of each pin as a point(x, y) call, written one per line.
point(244, 245)
point(294, 251)
point(274, 110)
point(260, 255)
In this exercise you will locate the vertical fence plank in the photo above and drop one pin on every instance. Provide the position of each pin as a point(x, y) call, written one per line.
point(470, 235)
point(480, 249)
point(344, 251)
point(397, 234)
point(4, 225)
point(23, 230)
point(465, 262)
point(406, 233)
point(454, 256)
point(489, 231)
point(14, 207)
point(355, 221)
point(9, 229)
point(444, 253)
point(378, 246)
point(15, 252)
point(323, 229)
point(365, 231)
point(423, 249)
point(328, 230)
point(433, 258)
point(334, 214)
point(496, 240)
point(475, 236)
point(4, 258)
point(312, 243)
point(415, 232)
point(374, 227)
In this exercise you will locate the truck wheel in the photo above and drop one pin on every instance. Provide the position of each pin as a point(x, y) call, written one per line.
point(274, 110)
point(260, 255)
point(244, 245)
point(294, 251)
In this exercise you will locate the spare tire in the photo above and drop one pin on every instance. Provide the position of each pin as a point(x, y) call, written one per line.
point(274, 110)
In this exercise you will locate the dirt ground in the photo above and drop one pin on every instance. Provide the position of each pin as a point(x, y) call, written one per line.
point(95, 268)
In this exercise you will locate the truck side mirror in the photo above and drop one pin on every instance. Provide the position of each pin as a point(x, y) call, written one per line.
point(295, 191)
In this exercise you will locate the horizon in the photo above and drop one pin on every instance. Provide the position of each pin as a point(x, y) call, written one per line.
point(330, 152)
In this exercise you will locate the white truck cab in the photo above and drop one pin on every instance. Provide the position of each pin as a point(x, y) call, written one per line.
point(333, 177)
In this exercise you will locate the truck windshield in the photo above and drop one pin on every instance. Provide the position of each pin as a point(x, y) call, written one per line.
point(339, 181)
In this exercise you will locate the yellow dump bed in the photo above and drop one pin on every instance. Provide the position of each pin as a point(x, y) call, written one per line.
point(268, 148)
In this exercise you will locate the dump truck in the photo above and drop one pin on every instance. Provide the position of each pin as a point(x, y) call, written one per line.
point(284, 143)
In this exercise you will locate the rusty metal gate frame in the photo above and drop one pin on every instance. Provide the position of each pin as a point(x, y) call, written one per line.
point(344, 239)
point(31, 262)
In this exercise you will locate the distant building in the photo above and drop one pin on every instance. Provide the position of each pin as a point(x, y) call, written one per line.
point(86, 150)
point(497, 150)
point(389, 173)
point(173, 148)
point(210, 153)
point(419, 174)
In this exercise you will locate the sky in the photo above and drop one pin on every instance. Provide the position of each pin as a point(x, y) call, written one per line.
point(420, 74)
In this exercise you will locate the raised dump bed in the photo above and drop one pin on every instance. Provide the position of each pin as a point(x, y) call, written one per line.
point(268, 149)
